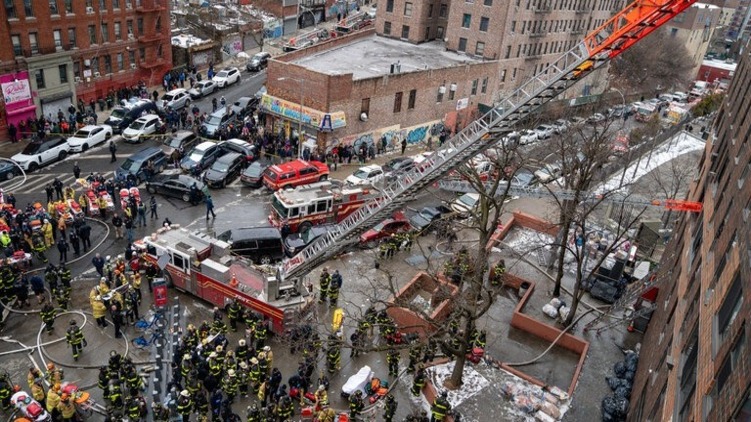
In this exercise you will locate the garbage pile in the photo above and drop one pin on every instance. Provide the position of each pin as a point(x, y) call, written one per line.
point(533, 400)
point(615, 406)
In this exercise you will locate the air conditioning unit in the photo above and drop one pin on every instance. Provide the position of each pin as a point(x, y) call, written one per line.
point(364, 116)
point(78, 79)
point(132, 65)
point(87, 62)
point(131, 37)
point(97, 74)
point(89, 10)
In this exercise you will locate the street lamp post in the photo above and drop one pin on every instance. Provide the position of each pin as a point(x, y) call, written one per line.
point(300, 140)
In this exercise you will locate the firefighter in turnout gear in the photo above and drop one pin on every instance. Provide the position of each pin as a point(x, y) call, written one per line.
point(53, 399)
point(65, 277)
point(441, 407)
point(255, 375)
point(233, 312)
point(5, 392)
point(184, 405)
point(67, 408)
point(418, 382)
point(414, 356)
point(241, 351)
point(324, 283)
point(75, 339)
point(392, 357)
point(391, 406)
point(334, 287)
point(356, 404)
point(54, 375)
point(230, 385)
point(333, 354)
point(48, 314)
point(115, 393)
point(261, 332)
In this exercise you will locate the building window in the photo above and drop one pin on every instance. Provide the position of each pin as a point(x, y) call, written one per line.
point(28, 9)
point(405, 31)
point(120, 64)
point(53, 7)
point(488, 2)
point(430, 10)
point(34, 46)
point(140, 26)
point(63, 71)
point(412, 99)
point(462, 44)
point(474, 87)
point(513, 74)
point(389, 6)
point(95, 64)
point(407, 9)
point(387, 28)
point(107, 64)
point(15, 40)
point(159, 51)
point(508, 51)
point(115, 4)
point(92, 34)
point(39, 76)
point(480, 48)
point(118, 32)
point(77, 69)
point(57, 36)
point(439, 32)
point(443, 11)
point(452, 91)
point(72, 37)
point(129, 26)
point(68, 7)
point(466, 20)
point(503, 75)
point(102, 6)
point(142, 53)
point(484, 88)
point(128, 5)
point(365, 106)
point(729, 309)
point(484, 23)
point(131, 57)
point(427, 33)
point(105, 33)
point(732, 361)
point(397, 102)
point(10, 9)
point(513, 26)
point(441, 90)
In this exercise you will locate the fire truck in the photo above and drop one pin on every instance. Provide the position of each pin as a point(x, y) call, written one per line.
point(317, 203)
point(203, 266)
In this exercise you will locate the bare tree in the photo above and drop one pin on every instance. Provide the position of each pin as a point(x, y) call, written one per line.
point(672, 181)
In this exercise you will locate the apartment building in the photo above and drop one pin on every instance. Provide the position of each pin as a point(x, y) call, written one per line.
point(694, 27)
point(696, 360)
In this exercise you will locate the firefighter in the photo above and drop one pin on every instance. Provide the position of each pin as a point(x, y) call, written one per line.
point(358, 343)
point(242, 351)
point(5, 392)
point(333, 355)
point(75, 339)
point(220, 354)
point(34, 375)
point(254, 375)
point(418, 382)
point(322, 398)
point(392, 357)
point(233, 312)
point(230, 385)
point(201, 405)
point(480, 340)
point(135, 282)
point(323, 283)
point(115, 393)
point(286, 408)
point(356, 404)
point(62, 297)
point(263, 364)
point(218, 326)
point(440, 408)
point(269, 358)
point(498, 271)
point(414, 355)
point(184, 405)
point(215, 367)
point(134, 409)
point(39, 247)
point(67, 408)
point(429, 352)
point(391, 406)
point(54, 375)
point(133, 381)
point(261, 331)
point(65, 277)
point(48, 314)
point(50, 276)
point(37, 391)
point(334, 286)
point(243, 377)
point(253, 414)
point(103, 378)
point(53, 400)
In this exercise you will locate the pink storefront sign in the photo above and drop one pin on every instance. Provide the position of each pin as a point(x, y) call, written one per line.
point(17, 96)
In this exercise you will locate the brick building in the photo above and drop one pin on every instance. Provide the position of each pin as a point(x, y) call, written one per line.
point(82, 49)
point(362, 88)
point(694, 27)
point(696, 362)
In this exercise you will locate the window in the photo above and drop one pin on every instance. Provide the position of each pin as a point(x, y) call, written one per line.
point(53, 7)
point(441, 90)
point(412, 99)
point(15, 40)
point(107, 64)
point(474, 87)
point(430, 10)
point(72, 37)
point(365, 106)
point(389, 6)
point(129, 27)
point(466, 20)
point(397, 102)
point(63, 70)
point(95, 64)
point(427, 33)
point(140, 26)
point(488, 2)
point(10, 9)
point(105, 33)
point(92, 34)
point(443, 11)
point(484, 23)
point(503, 75)
point(730, 307)
point(118, 32)
point(462, 44)
point(452, 91)
point(115, 4)
point(39, 76)
point(33, 43)
point(57, 36)
point(68, 7)
point(480, 48)
point(142, 54)
point(407, 9)
point(120, 64)
point(513, 26)
point(484, 88)
point(513, 74)
point(158, 24)
point(102, 6)
point(131, 57)
point(439, 32)
point(405, 31)
point(28, 9)
point(77, 69)
point(732, 361)
point(387, 28)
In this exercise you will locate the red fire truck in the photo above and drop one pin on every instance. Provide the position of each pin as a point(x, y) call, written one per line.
point(203, 266)
point(317, 203)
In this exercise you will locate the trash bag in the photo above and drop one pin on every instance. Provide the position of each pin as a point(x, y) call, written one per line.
point(632, 359)
point(609, 409)
point(621, 407)
point(629, 375)
point(626, 383)
point(613, 382)
point(623, 392)
point(619, 369)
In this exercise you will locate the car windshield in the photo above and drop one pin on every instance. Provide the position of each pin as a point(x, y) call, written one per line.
point(167, 97)
point(226, 236)
point(361, 174)
point(220, 167)
point(279, 207)
point(32, 148)
point(129, 165)
point(467, 200)
point(137, 125)
point(81, 134)
point(222, 74)
point(307, 236)
point(253, 171)
point(270, 174)
point(173, 142)
point(118, 112)
point(214, 120)
point(196, 156)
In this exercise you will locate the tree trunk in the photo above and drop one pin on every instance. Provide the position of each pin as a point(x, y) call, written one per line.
point(561, 257)
point(575, 299)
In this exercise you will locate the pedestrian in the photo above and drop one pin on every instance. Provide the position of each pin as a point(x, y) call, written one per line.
point(12, 133)
point(117, 222)
point(76, 170)
point(404, 145)
point(152, 207)
point(84, 232)
point(113, 150)
point(210, 208)
point(74, 337)
point(155, 95)
point(62, 247)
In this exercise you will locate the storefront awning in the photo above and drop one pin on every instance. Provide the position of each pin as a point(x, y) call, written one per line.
point(321, 120)
point(21, 110)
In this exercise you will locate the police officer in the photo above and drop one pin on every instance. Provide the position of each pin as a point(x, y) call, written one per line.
point(75, 339)
point(441, 407)
point(324, 283)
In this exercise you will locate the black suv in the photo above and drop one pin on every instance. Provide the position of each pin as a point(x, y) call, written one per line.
point(258, 61)
point(122, 117)
point(261, 244)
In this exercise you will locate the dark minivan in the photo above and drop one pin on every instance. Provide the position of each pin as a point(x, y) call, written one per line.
point(122, 117)
point(263, 245)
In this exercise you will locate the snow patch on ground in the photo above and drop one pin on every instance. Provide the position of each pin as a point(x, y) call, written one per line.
point(473, 382)
point(526, 240)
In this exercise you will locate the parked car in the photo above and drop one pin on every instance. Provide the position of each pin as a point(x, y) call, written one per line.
point(174, 100)
point(227, 76)
point(182, 141)
point(260, 93)
point(137, 132)
point(398, 165)
point(426, 217)
point(200, 157)
point(121, 117)
point(244, 148)
point(217, 122)
point(295, 173)
point(616, 111)
point(366, 175)
point(136, 163)
point(523, 178)
point(397, 224)
point(261, 244)
point(576, 121)
point(89, 136)
point(176, 186)
point(548, 173)
point(466, 205)
point(526, 137)
point(244, 106)
point(8, 170)
point(253, 175)
point(38, 153)
point(202, 89)
point(560, 126)
point(596, 118)
point(544, 131)
point(258, 62)
point(224, 170)
point(296, 242)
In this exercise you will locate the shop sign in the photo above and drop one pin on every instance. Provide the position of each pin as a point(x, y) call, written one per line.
point(310, 117)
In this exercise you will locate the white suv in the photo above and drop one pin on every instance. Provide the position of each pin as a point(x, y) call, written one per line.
point(142, 127)
point(227, 76)
point(175, 100)
point(365, 175)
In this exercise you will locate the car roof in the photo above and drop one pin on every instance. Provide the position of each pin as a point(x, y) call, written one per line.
point(248, 232)
point(228, 158)
point(370, 167)
point(221, 112)
point(243, 99)
point(292, 165)
point(262, 54)
point(472, 195)
point(176, 91)
point(147, 118)
point(144, 153)
point(89, 127)
point(203, 146)
point(238, 142)
point(182, 134)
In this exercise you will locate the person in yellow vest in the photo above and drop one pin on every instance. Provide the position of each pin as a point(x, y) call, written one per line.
point(269, 358)
point(5, 239)
point(51, 207)
point(53, 399)
point(37, 392)
point(99, 310)
point(67, 408)
point(49, 240)
point(136, 283)
point(103, 207)
point(83, 201)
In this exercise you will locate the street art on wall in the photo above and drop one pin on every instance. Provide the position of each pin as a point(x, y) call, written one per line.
point(308, 116)
point(393, 135)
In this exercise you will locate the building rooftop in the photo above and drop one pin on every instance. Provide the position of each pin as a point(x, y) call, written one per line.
point(720, 64)
point(373, 56)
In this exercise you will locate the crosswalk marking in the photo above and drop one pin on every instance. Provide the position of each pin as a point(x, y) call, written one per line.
point(37, 182)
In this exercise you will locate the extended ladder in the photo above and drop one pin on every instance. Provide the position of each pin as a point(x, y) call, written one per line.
point(633, 23)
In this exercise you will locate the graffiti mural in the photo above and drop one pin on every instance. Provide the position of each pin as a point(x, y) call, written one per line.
point(393, 135)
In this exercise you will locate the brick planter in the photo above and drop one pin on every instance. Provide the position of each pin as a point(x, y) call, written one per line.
point(437, 290)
